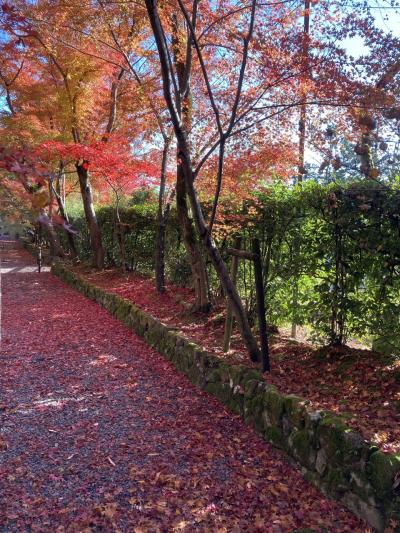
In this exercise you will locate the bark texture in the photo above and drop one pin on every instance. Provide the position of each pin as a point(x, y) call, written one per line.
point(90, 215)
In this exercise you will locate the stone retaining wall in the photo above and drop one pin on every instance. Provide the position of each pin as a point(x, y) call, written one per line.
point(332, 456)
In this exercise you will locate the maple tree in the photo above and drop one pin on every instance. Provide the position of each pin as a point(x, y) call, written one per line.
point(106, 80)
point(209, 106)
point(82, 114)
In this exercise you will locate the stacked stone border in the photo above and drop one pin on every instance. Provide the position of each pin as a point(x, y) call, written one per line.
point(336, 459)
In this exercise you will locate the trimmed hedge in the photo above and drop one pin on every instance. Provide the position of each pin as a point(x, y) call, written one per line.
point(331, 255)
point(332, 456)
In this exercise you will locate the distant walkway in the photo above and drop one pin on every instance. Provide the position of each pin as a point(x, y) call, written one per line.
point(99, 433)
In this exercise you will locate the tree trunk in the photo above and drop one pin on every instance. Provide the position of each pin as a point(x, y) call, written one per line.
point(215, 256)
point(189, 237)
point(193, 252)
point(160, 252)
point(55, 245)
point(91, 219)
point(186, 166)
point(302, 145)
point(120, 232)
point(54, 242)
point(63, 212)
point(229, 314)
point(338, 313)
point(262, 322)
point(161, 223)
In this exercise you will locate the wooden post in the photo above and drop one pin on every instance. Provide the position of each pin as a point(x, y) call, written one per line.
point(39, 247)
point(229, 312)
point(262, 323)
point(255, 256)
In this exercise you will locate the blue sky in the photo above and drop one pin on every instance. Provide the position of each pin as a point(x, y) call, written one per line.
point(387, 19)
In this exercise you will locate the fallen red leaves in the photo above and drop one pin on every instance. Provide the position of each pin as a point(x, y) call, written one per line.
point(102, 434)
point(353, 382)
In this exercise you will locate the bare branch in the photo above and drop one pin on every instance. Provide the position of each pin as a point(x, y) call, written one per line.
point(202, 66)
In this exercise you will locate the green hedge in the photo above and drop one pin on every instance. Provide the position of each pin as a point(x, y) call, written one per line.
point(331, 255)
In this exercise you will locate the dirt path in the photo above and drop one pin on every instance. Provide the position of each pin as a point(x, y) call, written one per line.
point(99, 433)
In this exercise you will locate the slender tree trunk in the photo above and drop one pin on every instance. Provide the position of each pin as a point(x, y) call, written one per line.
point(91, 219)
point(161, 223)
point(229, 314)
point(186, 166)
point(59, 195)
point(193, 251)
point(50, 230)
point(121, 243)
point(55, 245)
point(160, 252)
point(54, 242)
point(221, 268)
point(301, 169)
point(71, 244)
point(261, 311)
point(120, 232)
point(181, 49)
point(338, 318)
point(366, 150)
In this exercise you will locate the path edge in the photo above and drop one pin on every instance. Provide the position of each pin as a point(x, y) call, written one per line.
point(333, 457)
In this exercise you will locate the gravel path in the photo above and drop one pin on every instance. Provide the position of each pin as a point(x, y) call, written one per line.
point(99, 433)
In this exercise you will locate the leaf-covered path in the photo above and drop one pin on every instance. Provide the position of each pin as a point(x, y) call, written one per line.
point(99, 433)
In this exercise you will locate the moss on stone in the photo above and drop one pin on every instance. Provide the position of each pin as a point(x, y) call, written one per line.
point(223, 369)
point(196, 377)
point(336, 481)
point(382, 469)
point(330, 433)
point(343, 447)
point(392, 509)
point(300, 442)
point(274, 405)
point(361, 486)
point(276, 437)
point(216, 389)
point(235, 404)
point(170, 343)
point(236, 375)
point(213, 388)
point(253, 410)
point(210, 362)
point(183, 361)
point(370, 513)
point(250, 375)
point(225, 395)
point(214, 376)
point(251, 388)
point(154, 337)
point(119, 308)
point(295, 410)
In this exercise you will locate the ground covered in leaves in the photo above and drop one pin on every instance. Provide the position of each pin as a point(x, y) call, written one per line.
point(99, 433)
point(359, 384)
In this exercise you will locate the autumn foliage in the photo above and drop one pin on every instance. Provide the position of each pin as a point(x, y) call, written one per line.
point(204, 104)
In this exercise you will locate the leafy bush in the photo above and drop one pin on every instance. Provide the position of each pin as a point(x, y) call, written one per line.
point(331, 255)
